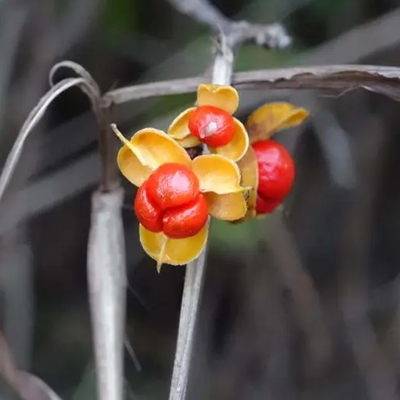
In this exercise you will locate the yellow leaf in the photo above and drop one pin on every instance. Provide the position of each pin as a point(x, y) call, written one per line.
point(217, 174)
point(224, 97)
point(228, 207)
point(238, 146)
point(172, 251)
point(273, 117)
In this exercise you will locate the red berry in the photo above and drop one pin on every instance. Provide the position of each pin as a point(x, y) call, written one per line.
point(172, 185)
point(266, 206)
point(212, 125)
point(170, 202)
point(147, 211)
point(276, 169)
point(186, 220)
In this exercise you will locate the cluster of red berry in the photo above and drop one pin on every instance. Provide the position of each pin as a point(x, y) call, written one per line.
point(170, 202)
point(244, 174)
point(276, 170)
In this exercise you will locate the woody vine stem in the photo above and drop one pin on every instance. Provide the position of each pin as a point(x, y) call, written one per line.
point(221, 74)
point(195, 271)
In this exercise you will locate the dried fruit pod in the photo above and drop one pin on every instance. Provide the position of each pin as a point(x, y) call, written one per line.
point(271, 182)
point(248, 166)
point(270, 118)
point(177, 195)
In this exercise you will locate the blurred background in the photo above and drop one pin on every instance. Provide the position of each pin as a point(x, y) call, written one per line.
point(304, 304)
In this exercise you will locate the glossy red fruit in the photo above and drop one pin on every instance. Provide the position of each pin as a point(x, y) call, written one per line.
point(276, 171)
point(172, 185)
point(266, 206)
point(186, 220)
point(212, 125)
point(147, 211)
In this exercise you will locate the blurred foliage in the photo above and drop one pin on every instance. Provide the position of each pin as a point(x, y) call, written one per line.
point(235, 237)
point(119, 17)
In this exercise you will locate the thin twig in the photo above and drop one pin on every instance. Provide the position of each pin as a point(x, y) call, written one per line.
point(325, 77)
point(221, 74)
point(32, 120)
point(232, 35)
point(270, 36)
point(101, 111)
point(194, 278)
point(195, 271)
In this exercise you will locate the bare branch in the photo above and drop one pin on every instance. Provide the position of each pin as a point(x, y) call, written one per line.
point(106, 254)
point(78, 70)
point(236, 33)
point(101, 111)
point(337, 78)
point(194, 278)
point(107, 289)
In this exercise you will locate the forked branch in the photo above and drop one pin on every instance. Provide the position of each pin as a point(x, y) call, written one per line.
point(236, 33)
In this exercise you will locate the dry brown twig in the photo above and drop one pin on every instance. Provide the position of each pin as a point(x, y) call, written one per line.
point(106, 266)
point(336, 79)
point(236, 33)
point(106, 252)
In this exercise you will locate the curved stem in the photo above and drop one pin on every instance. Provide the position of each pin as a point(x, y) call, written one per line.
point(33, 119)
point(102, 112)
